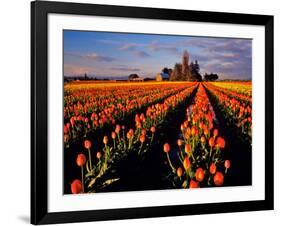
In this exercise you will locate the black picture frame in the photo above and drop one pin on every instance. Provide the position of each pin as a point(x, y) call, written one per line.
point(39, 116)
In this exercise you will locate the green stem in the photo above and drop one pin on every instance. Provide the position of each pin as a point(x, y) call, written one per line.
point(140, 148)
point(152, 138)
point(90, 159)
point(170, 163)
point(82, 175)
point(211, 152)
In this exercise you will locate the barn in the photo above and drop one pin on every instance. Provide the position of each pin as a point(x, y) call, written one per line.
point(162, 77)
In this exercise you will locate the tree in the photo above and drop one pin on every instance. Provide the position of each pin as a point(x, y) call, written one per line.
point(176, 74)
point(194, 68)
point(185, 72)
point(210, 77)
point(165, 70)
point(133, 76)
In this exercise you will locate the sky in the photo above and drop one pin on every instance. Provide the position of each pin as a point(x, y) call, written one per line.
point(117, 55)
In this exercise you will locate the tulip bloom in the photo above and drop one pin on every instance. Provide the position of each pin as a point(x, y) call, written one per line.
point(117, 129)
point(166, 147)
point(218, 179)
point(76, 187)
point(213, 168)
point(186, 163)
point(227, 164)
point(179, 172)
point(193, 184)
point(87, 144)
point(220, 143)
point(152, 129)
point(212, 142)
point(113, 135)
point(216, 132)
point(187, 148)
point(99, 155)
point(142, 138)
point(105, 140)
point(199, 175)
point(179, 142)
point(81, 160)
point(203, 139)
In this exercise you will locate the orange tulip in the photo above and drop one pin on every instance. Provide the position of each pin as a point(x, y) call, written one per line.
point(166, 147)
point(199, 175)
point(187, 148)
point(105, 140)
point(179, 172)
point(179, 142)
point(211, 142)
point(186, 163)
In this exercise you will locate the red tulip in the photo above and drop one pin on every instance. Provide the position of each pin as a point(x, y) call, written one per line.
point(142, 138)
point(99, 155)
point(216, 132)
point(87, 144)
point(220, 142)
point(76, 187)
point(227, 164)
point(218, 179)
point(213, 168)
point(117, 129)
point(193, 184)
point(81, 160)
point(152, 129)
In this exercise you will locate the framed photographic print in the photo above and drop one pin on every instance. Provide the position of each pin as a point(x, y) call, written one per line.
point(144, 112)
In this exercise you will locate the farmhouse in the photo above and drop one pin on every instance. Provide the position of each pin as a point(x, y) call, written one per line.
point(162, 77)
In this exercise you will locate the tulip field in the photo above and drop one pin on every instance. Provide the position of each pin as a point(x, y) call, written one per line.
point(129, 136)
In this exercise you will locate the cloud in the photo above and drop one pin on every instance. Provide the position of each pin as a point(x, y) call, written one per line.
point(133, 47)
point(93, 57)
point(124, 68)
point(157, 46)
point(141, 54)
point(128, 47)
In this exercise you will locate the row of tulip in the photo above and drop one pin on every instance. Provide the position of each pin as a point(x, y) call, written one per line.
point(244, 88)
point(198, 159)
point(237, 111)
point(87, 111)
point(96, 173)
